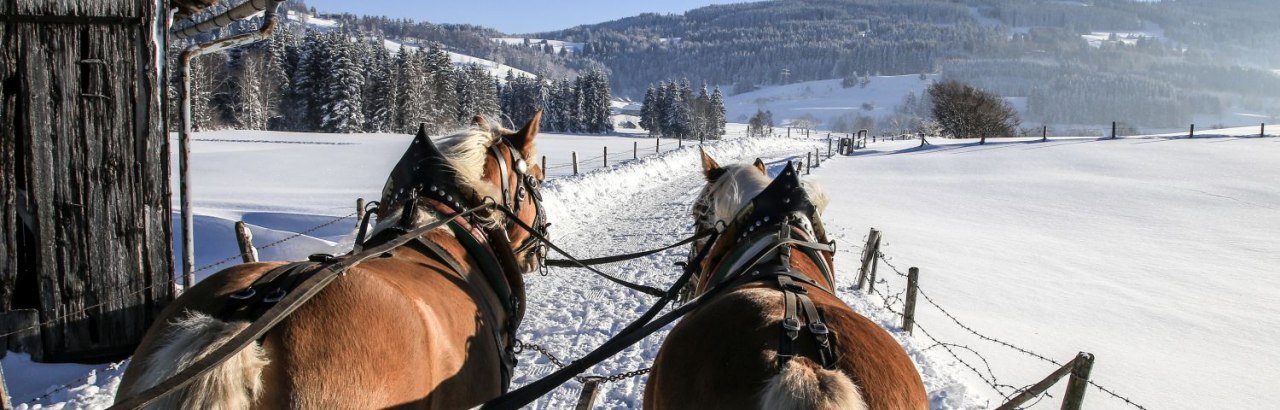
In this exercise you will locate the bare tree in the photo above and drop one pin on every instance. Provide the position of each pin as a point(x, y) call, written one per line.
point(257, 101)
point(964, 111)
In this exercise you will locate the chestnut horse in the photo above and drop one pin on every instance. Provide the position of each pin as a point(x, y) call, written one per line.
point(746, 348)
point(421, 326)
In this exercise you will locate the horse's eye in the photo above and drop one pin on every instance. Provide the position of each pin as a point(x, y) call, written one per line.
point(521, 166)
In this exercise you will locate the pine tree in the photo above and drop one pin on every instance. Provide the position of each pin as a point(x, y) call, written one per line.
point(717, 113)
point(649, 111)
point(343, 104)
point(380, 92)
point(443, 103)
point(411, 108)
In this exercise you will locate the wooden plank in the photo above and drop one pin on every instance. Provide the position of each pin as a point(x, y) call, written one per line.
point(95, 170)
point(1038, 388)
point(587, 399)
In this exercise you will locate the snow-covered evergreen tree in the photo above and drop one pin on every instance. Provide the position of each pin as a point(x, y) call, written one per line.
point(380, 92)
point(343, 109)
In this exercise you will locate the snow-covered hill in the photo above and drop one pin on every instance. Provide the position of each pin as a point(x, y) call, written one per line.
point(826, 99)
point(1156, 254)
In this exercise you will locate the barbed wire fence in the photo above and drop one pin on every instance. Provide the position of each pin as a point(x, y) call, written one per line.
point(890, 301)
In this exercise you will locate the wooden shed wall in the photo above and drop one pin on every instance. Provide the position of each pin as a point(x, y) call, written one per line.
point(85, 160)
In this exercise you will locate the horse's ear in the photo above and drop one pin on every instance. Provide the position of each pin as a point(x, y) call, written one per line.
point(523, 139)
point(760, 166)
point(710, 167)
point(481, 123)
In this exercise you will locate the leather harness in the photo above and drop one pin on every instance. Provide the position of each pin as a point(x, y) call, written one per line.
point(499, 270)
point(776, 222)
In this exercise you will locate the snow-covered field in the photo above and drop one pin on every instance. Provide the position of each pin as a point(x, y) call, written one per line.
point(1155, 254)
point(825, 99)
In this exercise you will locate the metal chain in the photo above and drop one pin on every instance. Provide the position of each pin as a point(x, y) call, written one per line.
point(520, 346)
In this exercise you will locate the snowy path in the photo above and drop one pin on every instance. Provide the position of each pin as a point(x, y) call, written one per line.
point(572, 311)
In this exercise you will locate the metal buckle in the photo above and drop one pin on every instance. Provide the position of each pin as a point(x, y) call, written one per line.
point(243, 294)
point(818, 328)
point(791, 324)
point(275, 296)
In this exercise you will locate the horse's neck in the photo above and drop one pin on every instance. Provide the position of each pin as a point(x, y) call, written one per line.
point(755, 251)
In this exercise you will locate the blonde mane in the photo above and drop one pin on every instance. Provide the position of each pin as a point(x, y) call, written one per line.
point(466, 151)
point(738, 185)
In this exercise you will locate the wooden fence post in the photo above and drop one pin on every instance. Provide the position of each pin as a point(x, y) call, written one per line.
point(606, 157)
point(909, 305)
point(575, 161)
point(657, 145)
point(817, 156)
point(244, 238)
point(1192, 133)
point(869, 253)
point(1078, 383)
point(1039, 388)
point(590, 389)
point(808, 160)
point(544, 166)
point(680, 144)
point(1263, 131)
point(1044, 133)
point(828, 145)
point(635, 149)
point(788, 132)
point(359, 211)
point(4, 393)
point(1113, 130)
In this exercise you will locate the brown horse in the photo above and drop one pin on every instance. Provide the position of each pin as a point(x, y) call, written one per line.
point(745, 348)
point(411, 328)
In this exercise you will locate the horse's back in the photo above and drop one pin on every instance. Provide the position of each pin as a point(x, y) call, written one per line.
point(723, 355)
point(388, 333)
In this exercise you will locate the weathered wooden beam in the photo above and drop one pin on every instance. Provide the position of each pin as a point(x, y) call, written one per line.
point(1038, 388)
point(868, 253)
point(909, 305)
point(244, 239)
point(590, 389)
point(1078, 383)
point(4, 393)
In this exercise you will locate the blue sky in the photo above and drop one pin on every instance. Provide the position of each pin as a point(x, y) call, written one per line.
point(512, 16)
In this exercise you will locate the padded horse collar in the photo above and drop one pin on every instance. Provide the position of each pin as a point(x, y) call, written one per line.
point(767, 230)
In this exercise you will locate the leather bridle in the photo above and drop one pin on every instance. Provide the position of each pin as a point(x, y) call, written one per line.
point(513, 198)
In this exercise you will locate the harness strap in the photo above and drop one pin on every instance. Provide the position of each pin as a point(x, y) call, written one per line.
point(790, 323)
point(566, 263)
point(326, 273)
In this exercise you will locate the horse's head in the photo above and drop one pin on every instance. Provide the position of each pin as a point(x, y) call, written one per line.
point(479, 164)
point(741, 197)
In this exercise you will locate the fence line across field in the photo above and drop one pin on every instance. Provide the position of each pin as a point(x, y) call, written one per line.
point(1078, 369)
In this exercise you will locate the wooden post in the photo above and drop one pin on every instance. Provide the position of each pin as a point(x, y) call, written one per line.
point(817, 157)
point(1113, 130)
point(359, 211)
point(909, 305)
point(575, 161)
point(808, 160)
point(4, 393)
point(828, 145)
point(1073, 399)
point(544, 165)
point(635, 149)
point(1039, 388)
point(875, 264)
point(1192, 133)
point(1044, 133)
point(657, 145)
point(590, 389)
point(869, 252)
point(1263, 131)
point(245, 239)
point(606, 157)
point(788, 132)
